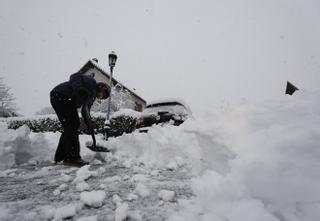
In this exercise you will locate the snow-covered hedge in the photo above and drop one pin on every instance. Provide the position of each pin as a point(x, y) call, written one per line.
point(49, 124)
point(123, 121)
point(119, 124)
point(36, 125)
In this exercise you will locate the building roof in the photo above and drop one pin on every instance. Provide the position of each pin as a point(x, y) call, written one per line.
point(93, 64)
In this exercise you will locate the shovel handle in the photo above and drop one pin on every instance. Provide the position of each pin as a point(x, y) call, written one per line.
point(93, 140)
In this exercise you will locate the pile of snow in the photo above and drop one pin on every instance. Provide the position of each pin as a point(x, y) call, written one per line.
point(276, 173)
point(21, 146)
point(60, 189)
point(142, 190)
point(93, 198)
point(82, 186)
point(173, 147)
point(166, 195)
point(83, 174)
point(66, 212)
point(121, 212)
point(252, 162)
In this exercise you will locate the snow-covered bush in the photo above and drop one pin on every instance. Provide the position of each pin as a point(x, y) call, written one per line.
point(46, 124)
point(51, 124)
point(120, 125)
point(123, 121)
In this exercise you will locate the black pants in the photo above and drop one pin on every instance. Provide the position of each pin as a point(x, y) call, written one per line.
point(69, 146)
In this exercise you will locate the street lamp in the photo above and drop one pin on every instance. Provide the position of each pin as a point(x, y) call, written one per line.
point(112, 63)
point(112, 59)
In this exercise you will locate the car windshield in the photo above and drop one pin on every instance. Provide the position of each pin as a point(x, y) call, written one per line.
point(172, 107)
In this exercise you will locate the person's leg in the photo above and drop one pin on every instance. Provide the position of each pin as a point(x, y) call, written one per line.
point(59, 155)
point(71, 136)
point(66, 111)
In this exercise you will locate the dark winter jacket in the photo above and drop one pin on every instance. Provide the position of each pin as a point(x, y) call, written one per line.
point(82, 90)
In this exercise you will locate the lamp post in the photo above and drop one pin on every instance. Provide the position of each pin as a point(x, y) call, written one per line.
point(112, 63)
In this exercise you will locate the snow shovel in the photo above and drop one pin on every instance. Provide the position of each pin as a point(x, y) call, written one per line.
point(96, 148)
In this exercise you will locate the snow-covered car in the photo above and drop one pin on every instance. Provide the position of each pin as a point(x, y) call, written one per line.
point(174, 111)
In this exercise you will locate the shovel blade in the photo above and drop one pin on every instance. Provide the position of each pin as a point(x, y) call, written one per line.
point(98, 148)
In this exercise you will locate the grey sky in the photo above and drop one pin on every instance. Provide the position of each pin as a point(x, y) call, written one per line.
point(203, 51)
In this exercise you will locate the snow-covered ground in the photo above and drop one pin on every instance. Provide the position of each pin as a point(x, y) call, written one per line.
point(251, 162)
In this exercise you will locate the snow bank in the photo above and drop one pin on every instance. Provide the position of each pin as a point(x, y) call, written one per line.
point(172, 147)
point(252, 162)
point(21, 146)
point(276, 173)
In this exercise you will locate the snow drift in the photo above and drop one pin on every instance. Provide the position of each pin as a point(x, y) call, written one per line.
point(276, 173)
point(251, 162)
point(21, 146)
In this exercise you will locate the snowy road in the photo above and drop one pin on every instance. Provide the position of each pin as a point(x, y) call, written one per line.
point(27, 190)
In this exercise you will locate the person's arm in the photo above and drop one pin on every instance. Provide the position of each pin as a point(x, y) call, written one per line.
point(88, 84)
point(85, 112)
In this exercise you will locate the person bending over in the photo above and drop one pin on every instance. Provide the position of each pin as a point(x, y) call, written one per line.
point(79, 92)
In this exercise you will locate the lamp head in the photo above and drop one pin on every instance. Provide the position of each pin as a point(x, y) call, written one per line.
point(112, 59)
